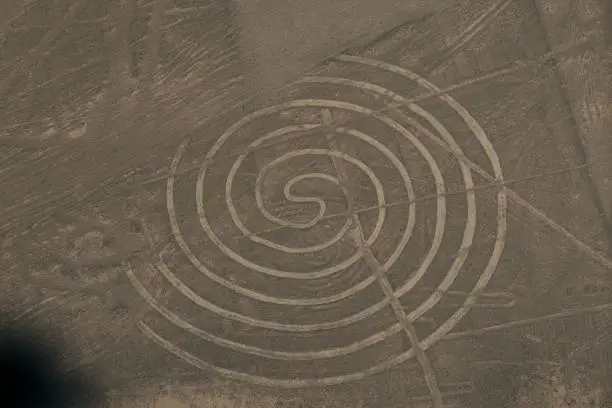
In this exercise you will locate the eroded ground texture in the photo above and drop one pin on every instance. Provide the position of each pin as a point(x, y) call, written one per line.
point(315, 204)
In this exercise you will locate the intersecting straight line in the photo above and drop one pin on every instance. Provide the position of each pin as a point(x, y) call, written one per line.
point(519, 200)
point(377, 270)
point(400, 313)
point(603, 159)
point(606, 307)
point(467, 35)
point(517, 67)
point(460, 41)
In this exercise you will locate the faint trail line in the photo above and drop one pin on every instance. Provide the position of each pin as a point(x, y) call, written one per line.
point(562, 230)
point(447, 145)
point(209, 270)
point(605, 160)
point(338, 165)
point(518, 66)
point(461, 40)
point(519, 200)
point(34, 54)
point(91, 63)
point(544, 58)
point(57, 78)
point(405, 323)
point(35, 309)
point(379, 272)
point(525, 322)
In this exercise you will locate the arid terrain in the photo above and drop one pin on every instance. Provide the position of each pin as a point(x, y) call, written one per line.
point(264, 204)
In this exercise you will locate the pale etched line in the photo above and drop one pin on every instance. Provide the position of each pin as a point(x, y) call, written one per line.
point(598, 256)
point(260, 380)
point(471, 31)
point(520, 65)
point(462, 253)
point(559, 228)
point(35, 309)
point(455, 192)
point(496, 300)
point(244, 348)
point(378, 186)
point(275, 109)
point(404, 322)
point(496, 166)
point(505, 300)
point(373, 309)
point(525, 322)
point(460, 389)
point(339, 167)
point(198, 300)
point(444, 328)
point(205, 270)
point(316, 152)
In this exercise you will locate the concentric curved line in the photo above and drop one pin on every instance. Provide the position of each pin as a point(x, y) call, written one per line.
point(244, 348)
point(196, 262)
point(449, 278)
point(368, 139)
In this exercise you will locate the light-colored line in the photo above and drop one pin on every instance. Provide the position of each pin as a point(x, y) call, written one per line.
point(35, 309)
point(596, 255)
point(379, 271)
point(471, 31)
point(338, 166)
point(305, 103)
point(451, 322)
point(291, 356)
point(518, 66)
point(301, 383)
point(243, 348)
point(488, 148)
point(447, 326)
point(404, 322)
point(416, 276)
point(605, 160)
point(256, 379)
point(526, 322)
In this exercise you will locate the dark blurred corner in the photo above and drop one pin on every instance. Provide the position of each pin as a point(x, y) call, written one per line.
point(280, 40)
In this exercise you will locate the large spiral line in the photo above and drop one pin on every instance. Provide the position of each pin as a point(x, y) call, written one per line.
point(411, 130)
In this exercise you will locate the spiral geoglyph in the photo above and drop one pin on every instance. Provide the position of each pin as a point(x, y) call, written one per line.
point(285, 274)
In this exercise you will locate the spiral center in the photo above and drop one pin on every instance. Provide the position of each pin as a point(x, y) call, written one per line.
point(289, 195)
